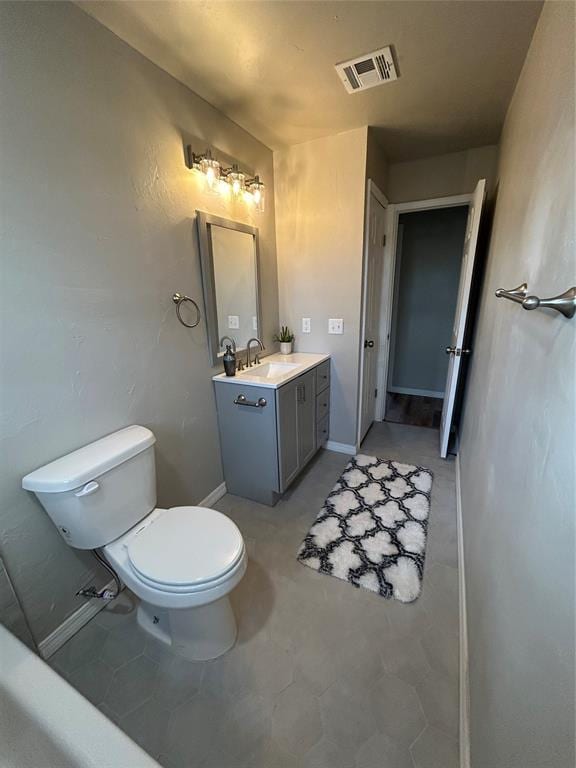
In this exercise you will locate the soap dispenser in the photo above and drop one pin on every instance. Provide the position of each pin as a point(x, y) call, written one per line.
point(229, 360)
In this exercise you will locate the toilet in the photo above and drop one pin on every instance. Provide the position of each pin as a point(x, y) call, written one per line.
point(181, 562)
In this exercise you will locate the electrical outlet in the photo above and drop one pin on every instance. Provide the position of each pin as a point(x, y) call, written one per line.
point(306, 325)
point(335, 325)
point(233, 321)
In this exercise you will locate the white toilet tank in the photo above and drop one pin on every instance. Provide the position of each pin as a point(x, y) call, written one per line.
point(99, 492)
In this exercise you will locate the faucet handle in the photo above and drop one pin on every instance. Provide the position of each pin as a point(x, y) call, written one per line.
point(239, 364)
point(256, 359)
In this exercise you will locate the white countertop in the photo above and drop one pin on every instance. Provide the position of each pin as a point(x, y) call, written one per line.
point(274, 370)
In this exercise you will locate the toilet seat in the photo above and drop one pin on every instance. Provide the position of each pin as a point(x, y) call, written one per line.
point(186, 550)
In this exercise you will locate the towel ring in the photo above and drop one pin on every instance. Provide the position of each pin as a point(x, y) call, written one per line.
point(179, 299)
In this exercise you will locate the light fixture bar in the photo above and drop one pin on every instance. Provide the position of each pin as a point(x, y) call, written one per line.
point(226, 180)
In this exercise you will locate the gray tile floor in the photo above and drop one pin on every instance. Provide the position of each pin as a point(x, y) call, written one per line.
point(323, 675)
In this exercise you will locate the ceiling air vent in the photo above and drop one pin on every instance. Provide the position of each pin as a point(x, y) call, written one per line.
point(368, 70)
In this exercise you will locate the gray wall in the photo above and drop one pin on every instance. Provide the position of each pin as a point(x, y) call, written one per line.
point(432, 243)
point(456, 173)
point(517, 441)
point(320, 228)
point(97, 233)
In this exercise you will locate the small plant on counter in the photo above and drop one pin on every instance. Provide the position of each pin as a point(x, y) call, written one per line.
point(286, 338)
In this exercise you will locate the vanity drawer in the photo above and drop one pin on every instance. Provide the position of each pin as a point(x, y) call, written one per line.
point(323, 376)
point(322, 431)
point(322, 404)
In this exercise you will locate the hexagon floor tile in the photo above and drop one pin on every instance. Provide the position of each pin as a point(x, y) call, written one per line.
point(323, 675)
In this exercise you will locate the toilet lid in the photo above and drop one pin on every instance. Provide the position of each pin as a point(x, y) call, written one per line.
point(186, 546)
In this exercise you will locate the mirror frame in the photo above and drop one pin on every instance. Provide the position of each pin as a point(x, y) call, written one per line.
point(203, 222)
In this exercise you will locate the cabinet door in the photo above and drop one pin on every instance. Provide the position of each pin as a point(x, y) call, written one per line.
point(248, 441)
point(306, 411)
point(288, 433)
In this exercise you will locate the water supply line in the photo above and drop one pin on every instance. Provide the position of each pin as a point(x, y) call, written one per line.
point(103, 594)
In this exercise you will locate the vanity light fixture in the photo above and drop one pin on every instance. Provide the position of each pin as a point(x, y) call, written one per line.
point(206, 165)
point(211, 169)
point(236, 179)
point(256, 188)
point(226, 181)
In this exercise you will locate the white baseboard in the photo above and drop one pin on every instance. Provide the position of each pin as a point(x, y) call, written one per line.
point(213, 496)
point(464, 680)
point(56, 639)
point(332, 445)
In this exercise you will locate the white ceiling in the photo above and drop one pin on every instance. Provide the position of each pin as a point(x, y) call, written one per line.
point(269, 65)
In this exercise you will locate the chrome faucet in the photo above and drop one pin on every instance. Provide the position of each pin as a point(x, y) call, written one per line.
point(231, 340)
point(249, 364)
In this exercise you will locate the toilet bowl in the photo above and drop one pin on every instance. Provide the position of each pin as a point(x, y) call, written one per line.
point(181, 562)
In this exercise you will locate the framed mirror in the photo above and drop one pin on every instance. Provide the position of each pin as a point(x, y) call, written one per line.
point(229, 258)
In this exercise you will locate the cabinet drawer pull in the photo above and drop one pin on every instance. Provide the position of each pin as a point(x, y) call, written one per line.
point(241, 400)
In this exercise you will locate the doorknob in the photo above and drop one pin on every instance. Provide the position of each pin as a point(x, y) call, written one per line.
point(368, 344)
point(456, 351)
point(450, 350)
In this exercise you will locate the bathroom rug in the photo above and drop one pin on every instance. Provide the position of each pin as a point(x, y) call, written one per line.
point(372, 528)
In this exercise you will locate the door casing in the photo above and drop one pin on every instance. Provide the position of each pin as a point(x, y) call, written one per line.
point(372, 190)
point(389, 281)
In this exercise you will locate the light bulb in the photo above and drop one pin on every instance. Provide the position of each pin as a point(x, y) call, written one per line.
point(257, 188)
point(236, 179)
point(211, 170)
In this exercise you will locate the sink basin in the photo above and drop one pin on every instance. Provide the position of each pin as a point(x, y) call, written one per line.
point(271, 370)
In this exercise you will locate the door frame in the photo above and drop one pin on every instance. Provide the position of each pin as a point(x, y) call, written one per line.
point(389, 284)
point(371, 189)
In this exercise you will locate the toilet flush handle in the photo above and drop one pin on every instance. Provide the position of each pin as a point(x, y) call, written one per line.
point(89, 488)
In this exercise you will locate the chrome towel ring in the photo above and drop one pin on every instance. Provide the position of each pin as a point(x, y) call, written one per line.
point(179, 299)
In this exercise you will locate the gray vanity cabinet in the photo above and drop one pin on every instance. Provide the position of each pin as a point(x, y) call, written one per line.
point(267, 436)
point(296, 426)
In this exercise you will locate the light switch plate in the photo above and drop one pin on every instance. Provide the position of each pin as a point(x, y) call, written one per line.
point(306, 325)
point(233, 321)
point(335, 325)
point(254, 323)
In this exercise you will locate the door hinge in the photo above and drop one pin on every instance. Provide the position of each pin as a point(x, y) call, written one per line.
point(383, 241)
point(375, 393)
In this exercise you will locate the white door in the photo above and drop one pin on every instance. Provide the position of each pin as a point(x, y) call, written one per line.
point(455, 348)
point(373, 261)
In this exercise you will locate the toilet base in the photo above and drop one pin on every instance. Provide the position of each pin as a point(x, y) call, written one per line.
point(198, 634)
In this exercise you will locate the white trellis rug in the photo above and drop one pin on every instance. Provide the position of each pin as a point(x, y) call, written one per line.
point(372, 528)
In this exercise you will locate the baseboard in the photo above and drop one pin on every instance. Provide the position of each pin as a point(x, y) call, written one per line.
point(56, 639)
point(464, 679)
point(332, 445)
point(213, 496)
point(417, 392)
